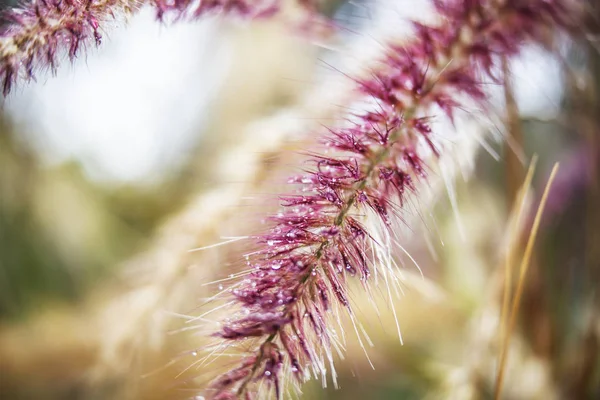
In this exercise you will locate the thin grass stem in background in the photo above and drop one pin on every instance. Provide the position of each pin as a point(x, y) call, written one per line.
point(521, 285)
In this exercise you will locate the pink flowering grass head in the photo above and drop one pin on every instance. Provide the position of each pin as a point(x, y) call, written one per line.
point(34, 34)
point(367, 166)
point(37, 34)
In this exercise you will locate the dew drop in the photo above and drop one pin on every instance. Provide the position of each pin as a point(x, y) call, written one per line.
point(276, 266)
point(220, 287)
point(194, 353)
point(270, 242)
point(267, 373)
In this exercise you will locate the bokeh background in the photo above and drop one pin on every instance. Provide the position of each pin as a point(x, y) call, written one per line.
point(160, 141)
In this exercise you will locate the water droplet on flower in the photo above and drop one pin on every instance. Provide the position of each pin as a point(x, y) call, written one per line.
point(194, 353)
point(267, 373)
point(220, 287)
point(276, 266)
point(270, 242)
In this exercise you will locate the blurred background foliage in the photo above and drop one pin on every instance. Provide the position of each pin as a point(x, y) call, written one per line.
point(66, 236)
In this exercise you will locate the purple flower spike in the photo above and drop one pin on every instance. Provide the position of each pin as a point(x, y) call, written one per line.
point(304, 260)
point(38, 33)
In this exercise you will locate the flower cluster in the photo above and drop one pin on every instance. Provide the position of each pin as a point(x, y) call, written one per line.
point(318, 241)
point(39, 32)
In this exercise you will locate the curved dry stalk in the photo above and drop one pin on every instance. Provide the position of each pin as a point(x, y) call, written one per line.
point(486, 333)
point(521, 284)
point(514, 230)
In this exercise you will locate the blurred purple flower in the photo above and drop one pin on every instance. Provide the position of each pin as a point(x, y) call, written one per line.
point(36, 34)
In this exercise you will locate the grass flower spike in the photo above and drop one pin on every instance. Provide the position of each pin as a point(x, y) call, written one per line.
point(36, 34)
point(319, 240)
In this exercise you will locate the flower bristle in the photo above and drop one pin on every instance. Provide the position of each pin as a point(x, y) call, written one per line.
point(369, 166)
